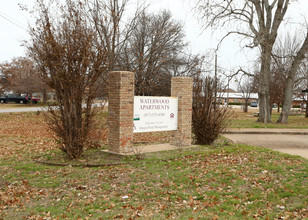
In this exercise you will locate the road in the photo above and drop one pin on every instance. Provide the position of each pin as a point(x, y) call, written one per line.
point(25, 109)
point(35, 109)
point(295, 144)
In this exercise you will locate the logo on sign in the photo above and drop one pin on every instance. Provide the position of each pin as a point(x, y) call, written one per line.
point(136, 117)
point(171, 115)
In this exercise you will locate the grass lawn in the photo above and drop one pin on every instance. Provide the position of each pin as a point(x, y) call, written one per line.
point(28, 105)
point(242, 119)
point(10, 106)
point(223, 181)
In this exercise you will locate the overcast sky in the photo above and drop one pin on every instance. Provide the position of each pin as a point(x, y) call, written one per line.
point(14, 23)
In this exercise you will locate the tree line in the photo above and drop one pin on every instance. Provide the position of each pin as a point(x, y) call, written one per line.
point(152, 45)
point(258, 23)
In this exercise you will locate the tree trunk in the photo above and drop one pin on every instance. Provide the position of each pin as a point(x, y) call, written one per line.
point(44, 96)
point(31, 101)
point(263, 91)
point(287, 103)
point(303, 109)
point(245, 109)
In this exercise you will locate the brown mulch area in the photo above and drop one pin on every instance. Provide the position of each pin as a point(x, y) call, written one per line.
point(22, 133)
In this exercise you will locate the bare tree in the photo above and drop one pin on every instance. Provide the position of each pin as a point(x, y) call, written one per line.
point(151, 45)
point(292, 54)
point(245, 86)
point(65, 47)
point(107, 17)
point(301, 86)
point(3, 83)
point(277, 87)
point(22, 76)
point(182, 65)
point(153, 49)
point(6, 73)
point(258, 21)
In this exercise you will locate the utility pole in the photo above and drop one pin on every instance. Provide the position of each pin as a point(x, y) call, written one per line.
point(229, 79)
point(215, 81)
point(215, 72)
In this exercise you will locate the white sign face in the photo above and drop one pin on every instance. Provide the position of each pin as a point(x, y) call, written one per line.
point(155, 113)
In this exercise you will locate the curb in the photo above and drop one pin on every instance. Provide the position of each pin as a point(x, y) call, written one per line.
point(268, 132)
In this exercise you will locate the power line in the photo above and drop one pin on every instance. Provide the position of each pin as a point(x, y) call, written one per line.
point(11, 21)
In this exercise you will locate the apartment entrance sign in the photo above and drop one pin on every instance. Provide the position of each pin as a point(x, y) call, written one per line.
point(155, 113)
point(129, 114)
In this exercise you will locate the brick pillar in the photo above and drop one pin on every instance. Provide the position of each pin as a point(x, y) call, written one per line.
point(182, 87)
point(120, 111)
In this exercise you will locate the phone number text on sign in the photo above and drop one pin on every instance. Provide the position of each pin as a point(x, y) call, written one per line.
point(155, 113)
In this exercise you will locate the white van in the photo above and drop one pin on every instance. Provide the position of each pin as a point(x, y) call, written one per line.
point(254, 104)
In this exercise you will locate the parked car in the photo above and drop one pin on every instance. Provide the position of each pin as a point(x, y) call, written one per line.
point(34, 99)
point(18, 99)
point(14, 98)
point(254, 104)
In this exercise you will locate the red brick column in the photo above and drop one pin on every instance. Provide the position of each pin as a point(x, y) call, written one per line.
point(120, 111)
point(182, 87)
